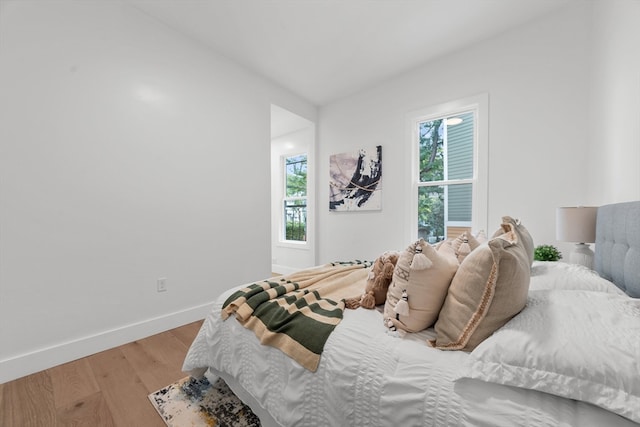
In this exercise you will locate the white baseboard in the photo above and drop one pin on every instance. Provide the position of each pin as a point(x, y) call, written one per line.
point(38, 360)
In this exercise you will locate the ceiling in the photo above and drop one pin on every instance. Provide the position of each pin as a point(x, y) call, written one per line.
point(324, 50)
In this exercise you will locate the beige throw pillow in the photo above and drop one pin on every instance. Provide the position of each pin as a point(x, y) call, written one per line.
point(462, 245)
point(424, 274)
point(521, 231)
point(489, 288)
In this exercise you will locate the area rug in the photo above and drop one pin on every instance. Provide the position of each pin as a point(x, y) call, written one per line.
point(194, 403)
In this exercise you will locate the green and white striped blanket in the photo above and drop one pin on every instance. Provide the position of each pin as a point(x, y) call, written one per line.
point(298, 312)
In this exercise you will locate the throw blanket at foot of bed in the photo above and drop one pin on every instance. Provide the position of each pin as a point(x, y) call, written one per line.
point(298, 312)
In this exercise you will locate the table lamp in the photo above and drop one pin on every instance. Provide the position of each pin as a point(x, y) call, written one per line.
point(577, 224)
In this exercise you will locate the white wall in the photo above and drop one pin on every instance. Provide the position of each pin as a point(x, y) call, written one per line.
point(123, 149)
point(537, 80)
point(288, 257)
point(614, 175)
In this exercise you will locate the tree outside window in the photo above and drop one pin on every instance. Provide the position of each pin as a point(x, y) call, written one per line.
point(445, 182)
point(295, 200)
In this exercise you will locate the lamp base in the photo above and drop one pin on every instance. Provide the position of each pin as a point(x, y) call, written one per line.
point(583, 255)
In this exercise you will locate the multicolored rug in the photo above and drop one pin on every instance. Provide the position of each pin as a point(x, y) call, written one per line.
point(194, 403)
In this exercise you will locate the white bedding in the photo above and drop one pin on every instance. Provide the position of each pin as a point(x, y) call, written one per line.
point(596, 351)
point(560, 275)
point(368, 377)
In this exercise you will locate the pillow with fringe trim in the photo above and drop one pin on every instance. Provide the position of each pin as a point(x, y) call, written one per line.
point(419, 286)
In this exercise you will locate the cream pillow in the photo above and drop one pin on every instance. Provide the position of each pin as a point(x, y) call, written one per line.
point(489, 288)
point(424, 274)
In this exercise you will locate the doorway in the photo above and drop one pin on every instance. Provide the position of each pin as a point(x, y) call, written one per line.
point(292, 139)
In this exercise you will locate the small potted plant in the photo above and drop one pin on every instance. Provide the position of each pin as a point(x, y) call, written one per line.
point(546, 253)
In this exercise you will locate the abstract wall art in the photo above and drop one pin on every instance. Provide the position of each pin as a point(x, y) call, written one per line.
point(355, 180)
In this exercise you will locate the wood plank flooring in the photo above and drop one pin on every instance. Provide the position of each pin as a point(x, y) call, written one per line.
point(107, 389)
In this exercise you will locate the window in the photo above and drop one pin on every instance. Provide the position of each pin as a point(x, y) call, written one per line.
point(295, 198)
point(449, 171)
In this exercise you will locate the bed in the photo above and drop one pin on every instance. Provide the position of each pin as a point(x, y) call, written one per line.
point(570, 357)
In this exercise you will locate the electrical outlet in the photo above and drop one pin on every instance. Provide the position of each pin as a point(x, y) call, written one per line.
point(162, 284)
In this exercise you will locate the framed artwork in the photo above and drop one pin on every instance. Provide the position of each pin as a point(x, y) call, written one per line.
point(355, 180)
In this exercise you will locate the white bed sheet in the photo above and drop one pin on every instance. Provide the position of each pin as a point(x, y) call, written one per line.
point(367, 377)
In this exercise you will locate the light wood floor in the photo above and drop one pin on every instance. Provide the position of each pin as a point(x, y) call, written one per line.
point(106, 389)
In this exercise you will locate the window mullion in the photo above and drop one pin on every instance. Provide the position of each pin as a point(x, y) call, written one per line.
point(445, 182)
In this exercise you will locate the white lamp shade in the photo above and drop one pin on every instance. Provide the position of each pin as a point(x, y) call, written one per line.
point(576, 224)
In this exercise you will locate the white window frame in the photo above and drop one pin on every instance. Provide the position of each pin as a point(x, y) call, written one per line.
point(282, 241)
point(479, 104)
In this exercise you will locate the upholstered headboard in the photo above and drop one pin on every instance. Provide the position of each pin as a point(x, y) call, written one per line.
point(618, 245)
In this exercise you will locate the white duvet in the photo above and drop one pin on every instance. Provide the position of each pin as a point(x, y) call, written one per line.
point(367, 377)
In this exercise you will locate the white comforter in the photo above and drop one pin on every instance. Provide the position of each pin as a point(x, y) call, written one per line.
point(368, 377)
